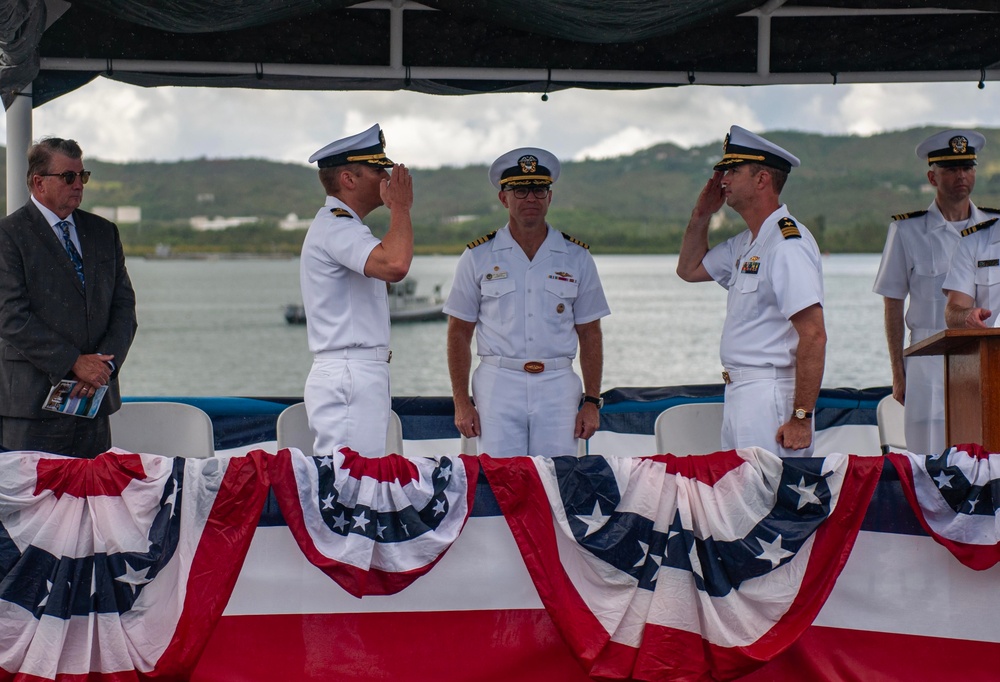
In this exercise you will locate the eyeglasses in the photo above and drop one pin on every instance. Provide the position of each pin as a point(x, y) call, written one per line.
point(69, 176)
point(522, 192)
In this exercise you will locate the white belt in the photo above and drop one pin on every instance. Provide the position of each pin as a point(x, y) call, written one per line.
point(733, 375)
point(379, 354)
point(530, 366)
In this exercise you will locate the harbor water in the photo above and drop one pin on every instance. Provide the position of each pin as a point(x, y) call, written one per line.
point(216, 328)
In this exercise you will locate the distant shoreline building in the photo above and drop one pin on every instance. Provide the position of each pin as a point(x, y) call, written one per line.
point(204, 223)
point(123, 215)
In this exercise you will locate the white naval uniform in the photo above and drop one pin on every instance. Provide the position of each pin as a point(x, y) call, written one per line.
point(769, 280)
point(916, 258)
point(347, 321)
point(975, 269)
point(526, 311)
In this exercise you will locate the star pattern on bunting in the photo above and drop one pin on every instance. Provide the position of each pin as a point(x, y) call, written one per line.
point(115, 579)
point(629, 541)
point(960, 494)
point(772, 551)
point(344, 516)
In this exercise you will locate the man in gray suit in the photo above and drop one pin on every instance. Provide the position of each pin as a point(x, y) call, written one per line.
point(67, 308)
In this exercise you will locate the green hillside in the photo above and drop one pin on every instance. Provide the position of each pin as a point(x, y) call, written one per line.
point(845, 191)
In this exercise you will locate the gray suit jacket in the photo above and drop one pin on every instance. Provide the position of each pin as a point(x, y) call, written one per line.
point(47, 320)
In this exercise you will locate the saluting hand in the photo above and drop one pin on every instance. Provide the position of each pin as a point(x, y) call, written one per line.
point(397, 191)
point(712, 196)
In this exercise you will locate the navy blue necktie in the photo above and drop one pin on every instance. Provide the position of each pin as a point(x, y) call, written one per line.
point(74, 255)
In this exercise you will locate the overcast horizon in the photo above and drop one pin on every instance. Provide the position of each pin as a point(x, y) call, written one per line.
point(118, 122)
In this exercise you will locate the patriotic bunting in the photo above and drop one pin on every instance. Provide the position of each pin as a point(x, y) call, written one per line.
point(374, 525)
point(955, 496)
point(690, 568)
point(118, 568)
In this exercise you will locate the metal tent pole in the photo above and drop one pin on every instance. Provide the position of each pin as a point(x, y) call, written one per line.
point(18, 141)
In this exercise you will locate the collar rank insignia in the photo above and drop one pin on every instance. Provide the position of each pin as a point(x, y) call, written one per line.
point(789, 230)
point(340, 213)
point(979, 226)
point(907, 216)
point(482, 240)
point(751, 266)
point(576, 241)
point(988, 263)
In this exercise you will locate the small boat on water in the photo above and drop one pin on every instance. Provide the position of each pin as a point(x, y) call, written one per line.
point(404, 305)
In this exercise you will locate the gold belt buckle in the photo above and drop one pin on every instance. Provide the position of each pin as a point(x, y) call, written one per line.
point(725, 377)
point(534, 367)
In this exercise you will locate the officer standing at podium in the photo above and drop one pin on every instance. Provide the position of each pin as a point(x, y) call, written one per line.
point(917, 256)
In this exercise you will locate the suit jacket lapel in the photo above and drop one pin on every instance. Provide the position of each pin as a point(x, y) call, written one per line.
point(43, 231)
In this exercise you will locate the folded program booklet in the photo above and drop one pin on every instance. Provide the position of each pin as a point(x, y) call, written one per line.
point(58, 400)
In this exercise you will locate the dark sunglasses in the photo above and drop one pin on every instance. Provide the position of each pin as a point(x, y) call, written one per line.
point(540, 192)
point(69, 176)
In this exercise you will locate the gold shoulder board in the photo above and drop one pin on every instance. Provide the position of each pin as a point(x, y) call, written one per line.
point(911, 214)
point(340, 213)
point(482, 240)
point(789, 230)
point(979, 226)
point(988, 210)
point(576, 241)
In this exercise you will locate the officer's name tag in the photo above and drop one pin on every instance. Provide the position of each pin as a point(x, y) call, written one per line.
point(495, 275)
point(988, 263)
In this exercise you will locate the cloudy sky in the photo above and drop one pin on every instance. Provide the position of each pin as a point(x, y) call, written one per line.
point(117, 122)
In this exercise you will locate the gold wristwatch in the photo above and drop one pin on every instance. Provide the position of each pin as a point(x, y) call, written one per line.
point(800, 413)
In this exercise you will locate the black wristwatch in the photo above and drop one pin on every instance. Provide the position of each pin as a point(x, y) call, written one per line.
point(592, 400)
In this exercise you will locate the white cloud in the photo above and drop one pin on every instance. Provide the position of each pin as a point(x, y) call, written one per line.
point(118, 122)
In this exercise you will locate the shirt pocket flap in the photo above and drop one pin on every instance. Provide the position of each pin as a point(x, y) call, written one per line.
point(495, 288)
point(561, 288)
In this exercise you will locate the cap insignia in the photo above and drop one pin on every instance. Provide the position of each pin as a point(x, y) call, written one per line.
point(528, 164)
point(725, 144)
point(959, 144)
point(381, 139)
point(789, 230)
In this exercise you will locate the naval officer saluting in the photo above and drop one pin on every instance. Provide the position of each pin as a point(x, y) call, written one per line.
point(343, 274)
point(774, 338)
point(530, 294)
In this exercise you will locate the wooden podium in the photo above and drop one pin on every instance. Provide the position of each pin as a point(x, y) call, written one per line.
point(971, 383)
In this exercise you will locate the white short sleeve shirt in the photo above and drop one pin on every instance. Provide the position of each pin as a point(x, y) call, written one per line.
point(344, 309)
point(769, 279)
point(527, 309)
point(975, 270)
point(917, 256)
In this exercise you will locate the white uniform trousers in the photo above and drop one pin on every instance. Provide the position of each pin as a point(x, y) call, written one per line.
point(526, 414)
point(923, 414)
point(753, 411)
point(348, 403)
